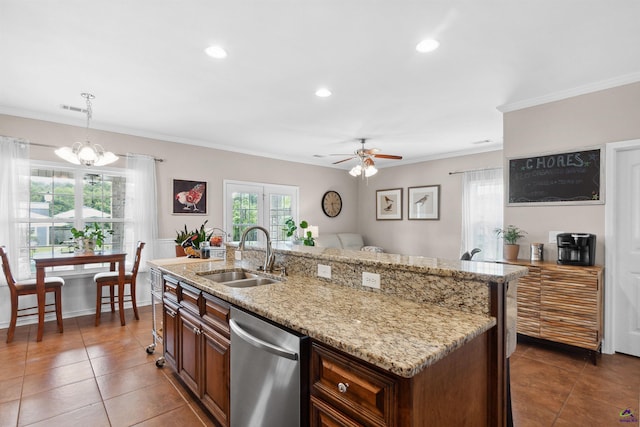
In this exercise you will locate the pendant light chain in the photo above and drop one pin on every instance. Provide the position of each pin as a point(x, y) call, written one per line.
point(88, 97)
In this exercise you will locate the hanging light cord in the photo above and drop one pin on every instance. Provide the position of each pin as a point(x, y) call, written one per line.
point(88, 97)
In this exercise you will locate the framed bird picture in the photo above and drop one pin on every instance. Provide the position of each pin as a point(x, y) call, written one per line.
point(424, 202)
point(389, 204)
point(189, 197)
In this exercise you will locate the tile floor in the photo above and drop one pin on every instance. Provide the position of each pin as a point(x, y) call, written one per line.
point(103, 377)
point(554, 388)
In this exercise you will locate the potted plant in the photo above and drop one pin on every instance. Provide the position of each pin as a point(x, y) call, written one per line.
point(90, 237)
point(510, 235)
point(290, 230)
point(197, 236)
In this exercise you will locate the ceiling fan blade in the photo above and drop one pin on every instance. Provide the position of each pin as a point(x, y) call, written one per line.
point(335, 154)
point(387, 156)
point(343, 160)
point(370, 151)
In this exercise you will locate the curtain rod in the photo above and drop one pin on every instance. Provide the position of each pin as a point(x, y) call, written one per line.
point(473, 170)
point(37, 144)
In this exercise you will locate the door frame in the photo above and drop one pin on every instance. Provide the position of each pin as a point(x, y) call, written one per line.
point(610, 232)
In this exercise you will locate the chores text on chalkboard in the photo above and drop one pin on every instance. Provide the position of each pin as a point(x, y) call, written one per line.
point(570, 178)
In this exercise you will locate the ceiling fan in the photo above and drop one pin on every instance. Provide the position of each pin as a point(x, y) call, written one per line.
point(366, 166)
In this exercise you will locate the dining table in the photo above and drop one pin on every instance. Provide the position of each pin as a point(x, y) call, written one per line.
point(113, 258)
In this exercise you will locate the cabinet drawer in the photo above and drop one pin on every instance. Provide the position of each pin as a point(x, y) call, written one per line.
point(170, 288)
point(323, 415)
point(561, 331)
point(216, 313)
point(189, 297)
point(364, 394)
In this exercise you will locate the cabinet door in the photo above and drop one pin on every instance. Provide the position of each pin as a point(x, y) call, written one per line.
point(571, 300)
point(189, 350)
point(215, 373)
point(170, 333)
point(529, 303)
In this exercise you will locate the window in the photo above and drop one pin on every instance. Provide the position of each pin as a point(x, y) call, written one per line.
point(248, 204)
point(482, 212)
point(62, 198)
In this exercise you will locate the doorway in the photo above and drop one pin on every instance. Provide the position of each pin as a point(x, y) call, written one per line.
point(622, 231)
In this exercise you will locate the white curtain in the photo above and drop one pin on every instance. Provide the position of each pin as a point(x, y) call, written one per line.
point(141, 209)
point(482, 212)
point(14, 203)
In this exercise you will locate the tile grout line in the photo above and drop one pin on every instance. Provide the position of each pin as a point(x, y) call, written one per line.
point(564, 404)
point(95, 378)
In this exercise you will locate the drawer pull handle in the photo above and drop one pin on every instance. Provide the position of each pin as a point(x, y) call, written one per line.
point(342, 387)
point(171, 312)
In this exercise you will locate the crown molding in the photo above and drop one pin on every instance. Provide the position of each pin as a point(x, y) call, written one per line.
point(569, 93)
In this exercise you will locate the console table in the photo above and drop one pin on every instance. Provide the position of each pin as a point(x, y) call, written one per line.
point(561, 303)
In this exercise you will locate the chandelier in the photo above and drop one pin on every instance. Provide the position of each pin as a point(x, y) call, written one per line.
point(366, 168)
point(86, 153)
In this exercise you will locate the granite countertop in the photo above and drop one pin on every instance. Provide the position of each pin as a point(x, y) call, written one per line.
point(395, 334)
point(472, 270)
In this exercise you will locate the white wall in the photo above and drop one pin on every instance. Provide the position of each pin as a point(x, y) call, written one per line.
point(430, 238)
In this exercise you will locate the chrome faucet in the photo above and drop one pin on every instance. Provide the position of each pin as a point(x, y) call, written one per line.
point(269, 256)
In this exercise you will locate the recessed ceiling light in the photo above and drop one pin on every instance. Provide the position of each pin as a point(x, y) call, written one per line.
point(427, 45)
point(323, 92)
point(216, 52)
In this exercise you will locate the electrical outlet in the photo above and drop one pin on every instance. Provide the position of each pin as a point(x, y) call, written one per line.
point(552, 236)
point(371, 280)
point(238, 255)
point(324, 271)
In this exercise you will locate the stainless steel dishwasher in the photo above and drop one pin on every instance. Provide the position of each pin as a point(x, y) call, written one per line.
point(269, 374)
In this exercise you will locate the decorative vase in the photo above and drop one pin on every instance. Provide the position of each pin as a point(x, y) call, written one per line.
point(511, 252)
point(180, 251)
point(88, 246)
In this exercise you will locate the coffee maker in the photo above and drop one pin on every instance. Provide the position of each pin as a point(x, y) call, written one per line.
point(576, 248)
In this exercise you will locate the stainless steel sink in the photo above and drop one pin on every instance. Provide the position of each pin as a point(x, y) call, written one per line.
point(238, 279)
point(248, 283)
point(228, 276)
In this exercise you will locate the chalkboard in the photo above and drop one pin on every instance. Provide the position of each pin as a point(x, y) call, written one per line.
point(569, 178)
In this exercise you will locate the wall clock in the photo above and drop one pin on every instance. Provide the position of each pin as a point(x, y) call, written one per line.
point(331, 204)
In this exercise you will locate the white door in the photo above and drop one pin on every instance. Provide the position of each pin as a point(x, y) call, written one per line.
point(627, 263)
point(267, 205)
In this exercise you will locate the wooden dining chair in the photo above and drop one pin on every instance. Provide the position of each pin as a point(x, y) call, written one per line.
point(110, 279)
point(28, 287)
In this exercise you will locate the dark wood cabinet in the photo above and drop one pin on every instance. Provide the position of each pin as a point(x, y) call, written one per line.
point(215, 375)
point(324, 415)
point(200, 351)
point(348, 392)
point(190, 349)
point(170, 332)
point(352, 389)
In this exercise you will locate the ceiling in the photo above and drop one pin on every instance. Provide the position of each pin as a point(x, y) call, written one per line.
point(145, 63)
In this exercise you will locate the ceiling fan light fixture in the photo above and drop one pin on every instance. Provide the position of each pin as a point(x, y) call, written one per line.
point(370, 171)
point(85, 153)
point(356, 170)
point(427, 45)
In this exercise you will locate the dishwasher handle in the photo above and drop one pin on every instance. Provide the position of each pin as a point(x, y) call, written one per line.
point(257, 342)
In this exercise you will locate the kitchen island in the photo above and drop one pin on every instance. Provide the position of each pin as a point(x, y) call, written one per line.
point(435, 329)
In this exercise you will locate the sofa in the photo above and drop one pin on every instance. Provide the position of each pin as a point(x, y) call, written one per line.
point(348, 241)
